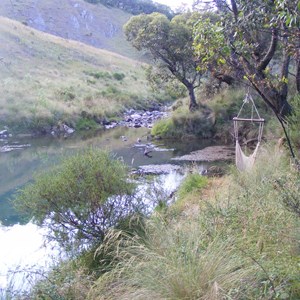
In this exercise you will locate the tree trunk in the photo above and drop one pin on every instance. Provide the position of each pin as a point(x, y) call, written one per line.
point(193, 104)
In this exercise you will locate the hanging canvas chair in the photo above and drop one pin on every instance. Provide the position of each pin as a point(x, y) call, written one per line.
point(242, 161)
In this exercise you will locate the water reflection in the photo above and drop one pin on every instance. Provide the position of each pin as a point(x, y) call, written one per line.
point(17, 167)
point(23, 248)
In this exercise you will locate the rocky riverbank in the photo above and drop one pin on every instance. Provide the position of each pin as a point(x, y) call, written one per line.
point(138, 118)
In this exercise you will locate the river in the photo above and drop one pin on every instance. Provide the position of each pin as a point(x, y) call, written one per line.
point(22, 242)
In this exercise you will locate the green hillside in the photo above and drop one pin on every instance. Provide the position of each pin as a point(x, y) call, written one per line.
point(45, 80)
point(95, 25)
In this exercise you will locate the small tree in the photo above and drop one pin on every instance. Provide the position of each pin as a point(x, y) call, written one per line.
point(170, 44)
point(80, 199)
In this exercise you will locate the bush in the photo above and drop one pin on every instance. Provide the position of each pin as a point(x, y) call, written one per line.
point(80, 199)
point(163, 128)
point(119, 76)
point(86, 123)
point(174, 263)
point(99, 74)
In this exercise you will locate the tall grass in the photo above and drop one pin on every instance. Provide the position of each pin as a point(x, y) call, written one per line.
point(175, 263)
point(242, 244)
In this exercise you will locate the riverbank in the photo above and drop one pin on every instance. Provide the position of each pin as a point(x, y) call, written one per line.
point(218, 240)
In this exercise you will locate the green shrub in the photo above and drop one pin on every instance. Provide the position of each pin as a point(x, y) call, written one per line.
point(163, 128)
point(86, 123)
point(110, 92)
point(174, 263)
point(118, 76)
point(66, 94)
point(80, 199)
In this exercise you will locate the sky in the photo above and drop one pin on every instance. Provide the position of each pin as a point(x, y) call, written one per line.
point(175, 3)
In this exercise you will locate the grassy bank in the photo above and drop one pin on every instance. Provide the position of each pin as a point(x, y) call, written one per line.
point(46, 80)
point(212, 120)
point(235, 237)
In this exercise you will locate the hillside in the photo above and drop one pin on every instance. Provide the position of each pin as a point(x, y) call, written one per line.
point(95, 25)
point(45, 80)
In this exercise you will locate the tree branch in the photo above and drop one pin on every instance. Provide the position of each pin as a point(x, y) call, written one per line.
point(234, 9)
point(270, 53)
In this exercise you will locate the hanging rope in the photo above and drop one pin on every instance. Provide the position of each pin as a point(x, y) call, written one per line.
point(242, 161)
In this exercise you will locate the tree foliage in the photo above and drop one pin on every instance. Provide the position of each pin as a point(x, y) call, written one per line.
point(80, 199)
point(255, 41)
point(170, 43)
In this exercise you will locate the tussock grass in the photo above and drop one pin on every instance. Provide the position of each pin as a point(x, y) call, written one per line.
point(242, 244)
point(174, 263)
point(45, 79)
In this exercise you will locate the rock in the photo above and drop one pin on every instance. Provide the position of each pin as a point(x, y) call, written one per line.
point(68, 129)
point(111, 125)
point(214, 171)
point(4, 133)
point(9, 148)
point(62, 129)
point(157, 169)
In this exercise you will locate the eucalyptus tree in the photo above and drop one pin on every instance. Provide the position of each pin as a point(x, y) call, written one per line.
point(170, 44)
point(257, 42)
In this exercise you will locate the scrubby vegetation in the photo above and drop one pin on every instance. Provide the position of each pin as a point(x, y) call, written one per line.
point(80, 199)
point(234, 237)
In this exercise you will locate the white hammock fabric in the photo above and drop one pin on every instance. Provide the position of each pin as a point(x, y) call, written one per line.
point(242, 161)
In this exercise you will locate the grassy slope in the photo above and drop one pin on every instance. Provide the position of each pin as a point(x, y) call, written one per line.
point(46, 79)
point(78, 20)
